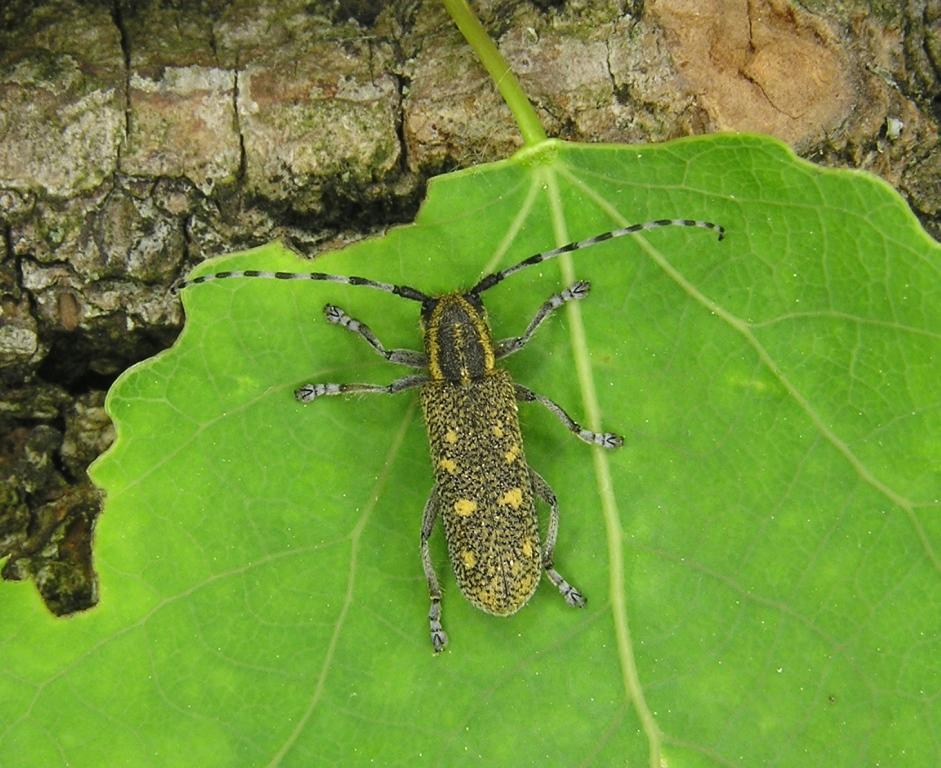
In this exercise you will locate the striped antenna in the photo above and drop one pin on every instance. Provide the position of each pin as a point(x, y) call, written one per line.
point(491, 280)
point(405, 291)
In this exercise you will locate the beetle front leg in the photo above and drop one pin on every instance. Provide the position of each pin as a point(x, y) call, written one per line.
point(575, 292)
point(572, 596)
point(408, 357)
point(439, 637)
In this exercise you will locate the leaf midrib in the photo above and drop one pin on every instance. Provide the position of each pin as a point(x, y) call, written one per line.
point(630, 677)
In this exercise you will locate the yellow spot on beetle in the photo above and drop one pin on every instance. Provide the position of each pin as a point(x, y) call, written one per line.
point(498, 430)
point(465, 507)
point(450, 436)
point(469, 558)
point(527, 548)
point(449, 466)
point(511, 454)
point(512, 498)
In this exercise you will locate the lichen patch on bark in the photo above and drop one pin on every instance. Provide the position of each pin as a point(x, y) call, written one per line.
point(182, 125)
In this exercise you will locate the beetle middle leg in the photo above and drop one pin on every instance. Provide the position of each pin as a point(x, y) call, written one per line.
point(604, 439)
point(439, 638)
point(308, 392)
point(408, 357)
point(543, 491)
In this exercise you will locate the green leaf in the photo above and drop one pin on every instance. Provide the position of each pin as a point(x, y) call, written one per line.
point(761, 558)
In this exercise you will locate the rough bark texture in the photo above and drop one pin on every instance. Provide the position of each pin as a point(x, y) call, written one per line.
point(137, 138)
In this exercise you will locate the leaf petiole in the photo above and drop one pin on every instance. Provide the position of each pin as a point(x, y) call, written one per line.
point(499, 71)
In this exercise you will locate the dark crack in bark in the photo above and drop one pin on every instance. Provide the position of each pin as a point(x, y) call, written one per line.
point(402, 85)
point(237, 120)
point(117, 15)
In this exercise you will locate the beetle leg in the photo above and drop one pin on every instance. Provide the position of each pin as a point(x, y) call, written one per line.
point(604, 439)
point(575, 292)
point(309, 392)
point(439, 638)
point(408, 357)
point(543, 491)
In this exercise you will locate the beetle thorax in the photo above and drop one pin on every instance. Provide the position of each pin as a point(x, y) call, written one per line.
point(458, 342)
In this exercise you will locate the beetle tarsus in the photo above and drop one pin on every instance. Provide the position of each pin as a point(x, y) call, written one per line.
point(439, 638)
point(572, 596)
point(310, 392)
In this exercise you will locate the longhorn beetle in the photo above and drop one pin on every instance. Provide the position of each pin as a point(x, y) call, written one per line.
point(484, 489)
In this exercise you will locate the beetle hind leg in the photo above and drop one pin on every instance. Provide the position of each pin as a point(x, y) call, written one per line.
point(439, 638)
point(572, 596)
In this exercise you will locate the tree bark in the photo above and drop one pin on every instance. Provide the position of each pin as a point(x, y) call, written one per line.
point(137, 139)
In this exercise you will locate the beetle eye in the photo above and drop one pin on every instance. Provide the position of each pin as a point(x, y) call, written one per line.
point(427, 307)
point(475, 301)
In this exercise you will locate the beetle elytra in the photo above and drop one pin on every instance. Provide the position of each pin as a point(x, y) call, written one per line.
point(484, 489)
